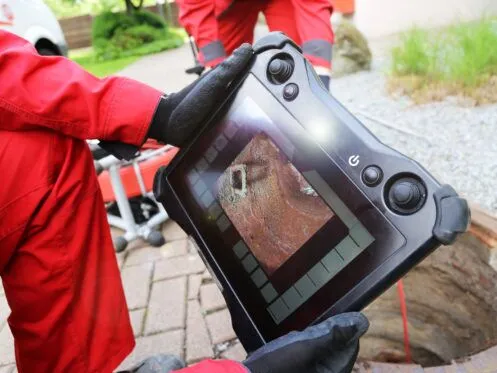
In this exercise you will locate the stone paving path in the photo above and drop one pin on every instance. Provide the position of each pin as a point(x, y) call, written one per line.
point(174, 305)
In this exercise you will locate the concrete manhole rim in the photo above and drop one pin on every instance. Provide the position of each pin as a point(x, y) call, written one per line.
point(484, 228)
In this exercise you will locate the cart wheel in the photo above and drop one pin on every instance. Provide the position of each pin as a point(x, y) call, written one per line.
point(156, 239)
point(120, 244)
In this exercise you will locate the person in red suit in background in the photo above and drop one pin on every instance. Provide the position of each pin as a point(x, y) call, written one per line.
point(57, 261)
point(220, 26)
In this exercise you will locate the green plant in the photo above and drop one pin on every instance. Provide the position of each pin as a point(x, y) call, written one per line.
point(464, 53)
point(106, 24)
point(149, 18)
point(412, 55)
point(115, 34)
point(461, 59)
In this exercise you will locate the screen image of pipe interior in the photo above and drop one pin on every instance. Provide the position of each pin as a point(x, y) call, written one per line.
point(270, 203)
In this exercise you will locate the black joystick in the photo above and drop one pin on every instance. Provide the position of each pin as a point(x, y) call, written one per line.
point(280, 70)
point(406, 195)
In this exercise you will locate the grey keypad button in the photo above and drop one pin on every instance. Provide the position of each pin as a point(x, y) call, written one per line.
point(240, 249)
point(231, 131)
point(193, 177)
point(333, 262)
point(211, 154)
point(259, 277)
point(223, 223)
point(279, 310)
point(221, 142)
point(305, 287)
point(269, 293)
point(207, 199)
point(319, 275)
point(215, 210)
point(348, 249)
point(361, 236)
point(199, 187)
point(202, 165)
point(292, 298)
point(249, 263)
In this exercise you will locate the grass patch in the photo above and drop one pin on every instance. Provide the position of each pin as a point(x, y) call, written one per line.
point(460, 60)
point(87, 60)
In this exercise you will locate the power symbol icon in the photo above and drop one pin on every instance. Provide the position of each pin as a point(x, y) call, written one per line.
point(354, 160)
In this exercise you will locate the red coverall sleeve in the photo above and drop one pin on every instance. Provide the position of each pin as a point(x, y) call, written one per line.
point(55, 93)
point(215, 366)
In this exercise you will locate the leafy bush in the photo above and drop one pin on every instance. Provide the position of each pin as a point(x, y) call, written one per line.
point(136, 36)
point(149, 18)
point(117, 35)
point(107, 23)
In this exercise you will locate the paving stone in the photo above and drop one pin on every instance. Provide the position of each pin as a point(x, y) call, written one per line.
point(8, 369)
point(194, 282)
point(164, 343)
point(235, 352)
point(193, 247)
point(166, 309)
point(219, 325)
point(120, 259)
point(179, 266)
point(136, 282)
point(211, 298)
point(175, 248)
point(206, 276)
point(198, 344)
point(6, 347)
point(4, 311)
point(143, 255)
point(136, 317)
point(172, 231)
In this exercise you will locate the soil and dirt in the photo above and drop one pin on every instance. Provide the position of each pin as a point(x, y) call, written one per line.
point(452, 309)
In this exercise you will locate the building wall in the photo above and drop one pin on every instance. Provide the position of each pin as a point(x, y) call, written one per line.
point(383, 17)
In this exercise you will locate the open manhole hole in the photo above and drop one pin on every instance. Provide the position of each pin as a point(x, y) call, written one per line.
point(451, 300)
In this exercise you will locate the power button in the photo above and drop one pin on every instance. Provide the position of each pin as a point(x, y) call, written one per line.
point(372, 176)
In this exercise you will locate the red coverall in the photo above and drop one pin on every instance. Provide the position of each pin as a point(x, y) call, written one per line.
point(57, 260)
point(219, 26)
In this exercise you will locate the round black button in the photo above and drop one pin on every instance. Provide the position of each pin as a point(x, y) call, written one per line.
point(280, 70)
point(406, 195)
point(372, 176)
point(290, 91)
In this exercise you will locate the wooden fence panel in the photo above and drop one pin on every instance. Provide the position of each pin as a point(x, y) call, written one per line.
point(77, 30)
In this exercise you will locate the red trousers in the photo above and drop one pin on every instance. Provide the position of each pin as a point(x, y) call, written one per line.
point(220, 26)
point(61, 279)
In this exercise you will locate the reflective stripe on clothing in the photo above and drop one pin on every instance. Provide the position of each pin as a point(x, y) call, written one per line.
point(213, 51)
point(318, 48)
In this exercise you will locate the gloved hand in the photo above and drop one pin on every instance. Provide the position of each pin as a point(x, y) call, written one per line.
point(329, 347)
point(179, 114)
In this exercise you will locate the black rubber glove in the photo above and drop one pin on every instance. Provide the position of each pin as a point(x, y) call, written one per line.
point(179, 114)
point(329, 347)
point(157, 364)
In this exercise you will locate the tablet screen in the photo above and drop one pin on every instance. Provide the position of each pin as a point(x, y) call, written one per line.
point(270, 203)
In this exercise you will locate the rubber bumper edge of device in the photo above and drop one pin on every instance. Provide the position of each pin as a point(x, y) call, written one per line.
point(274, 40)
point(453, 215)
point(161, 190)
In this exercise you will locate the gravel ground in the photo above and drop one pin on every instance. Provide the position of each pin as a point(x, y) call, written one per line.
point(458, 145)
